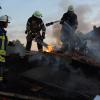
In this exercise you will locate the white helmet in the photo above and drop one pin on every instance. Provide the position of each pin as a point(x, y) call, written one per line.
point(70, 8)
point(37, 14)
point(4, 18)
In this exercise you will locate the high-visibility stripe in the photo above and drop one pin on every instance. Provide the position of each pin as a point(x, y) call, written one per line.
point(2, 59)
point(3, 41)
point(1, 78)
point(2, 52)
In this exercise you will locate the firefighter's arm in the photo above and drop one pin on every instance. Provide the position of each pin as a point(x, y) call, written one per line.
point(62, 19)
point(27, 27)
point(43, 30)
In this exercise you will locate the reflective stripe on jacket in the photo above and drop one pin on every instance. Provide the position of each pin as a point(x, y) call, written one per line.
point(3, 44)
point(1, 78)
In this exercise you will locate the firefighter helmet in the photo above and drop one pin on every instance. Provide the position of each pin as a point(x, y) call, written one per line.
point(70, 8)
point(4, 18)
point(37, 14)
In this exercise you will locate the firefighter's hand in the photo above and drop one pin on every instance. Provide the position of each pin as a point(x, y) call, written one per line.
point(43, 35)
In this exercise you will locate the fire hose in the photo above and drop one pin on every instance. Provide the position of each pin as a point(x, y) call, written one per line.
point(51, 23)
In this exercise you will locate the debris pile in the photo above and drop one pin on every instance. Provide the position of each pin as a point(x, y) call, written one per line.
point(71, 74)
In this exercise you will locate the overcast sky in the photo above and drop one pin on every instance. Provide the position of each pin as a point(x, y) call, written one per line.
point(20, 10)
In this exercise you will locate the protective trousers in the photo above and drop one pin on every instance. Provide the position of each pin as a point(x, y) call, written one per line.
point(29, 43)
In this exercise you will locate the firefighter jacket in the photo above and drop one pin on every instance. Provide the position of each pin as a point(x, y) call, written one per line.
point(69, 17)
point(35, 25)
point(3, 44)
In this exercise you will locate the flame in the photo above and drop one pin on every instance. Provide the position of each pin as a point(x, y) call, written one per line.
point(50, 48)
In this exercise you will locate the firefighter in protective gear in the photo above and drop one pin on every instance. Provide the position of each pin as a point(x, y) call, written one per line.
point(70, 17)
point(3, 44)
point(69, 25)
point(35, 28)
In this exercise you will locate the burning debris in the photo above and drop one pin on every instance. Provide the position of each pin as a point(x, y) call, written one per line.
point(60, 73)
point(65, 73)
point(74, 44)
point(50, 48)
point(72, 74)
point(77, 42)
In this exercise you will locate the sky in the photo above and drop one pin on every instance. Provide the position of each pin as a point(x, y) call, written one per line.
point(20, 10)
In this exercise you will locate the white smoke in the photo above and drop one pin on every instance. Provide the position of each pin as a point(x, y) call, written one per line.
point(94, 44)
point(57, 33)
point(82, 11)
point(65, 3)
point(17, 48)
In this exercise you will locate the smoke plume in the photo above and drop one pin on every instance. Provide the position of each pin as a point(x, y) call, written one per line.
point(93, 44)
point(57, 33)
point(82, 12)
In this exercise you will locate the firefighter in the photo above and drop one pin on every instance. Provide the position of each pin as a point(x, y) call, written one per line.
point(3, 44)
point(70, 17)
point(69, 25)
point(35, 28)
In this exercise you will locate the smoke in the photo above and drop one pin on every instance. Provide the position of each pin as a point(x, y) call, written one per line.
point(57, 71)
point(57, 33)
point(88, 44)
point(65, 3)
point(57, 27)
point(83, 25)
point(82, 12)
point(17, 48)
point(93, 44)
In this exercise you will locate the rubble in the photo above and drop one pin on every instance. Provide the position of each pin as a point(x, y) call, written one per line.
point(58, 76)
point(54, 75)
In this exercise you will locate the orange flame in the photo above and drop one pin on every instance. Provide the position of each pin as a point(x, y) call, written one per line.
point(49, 49)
